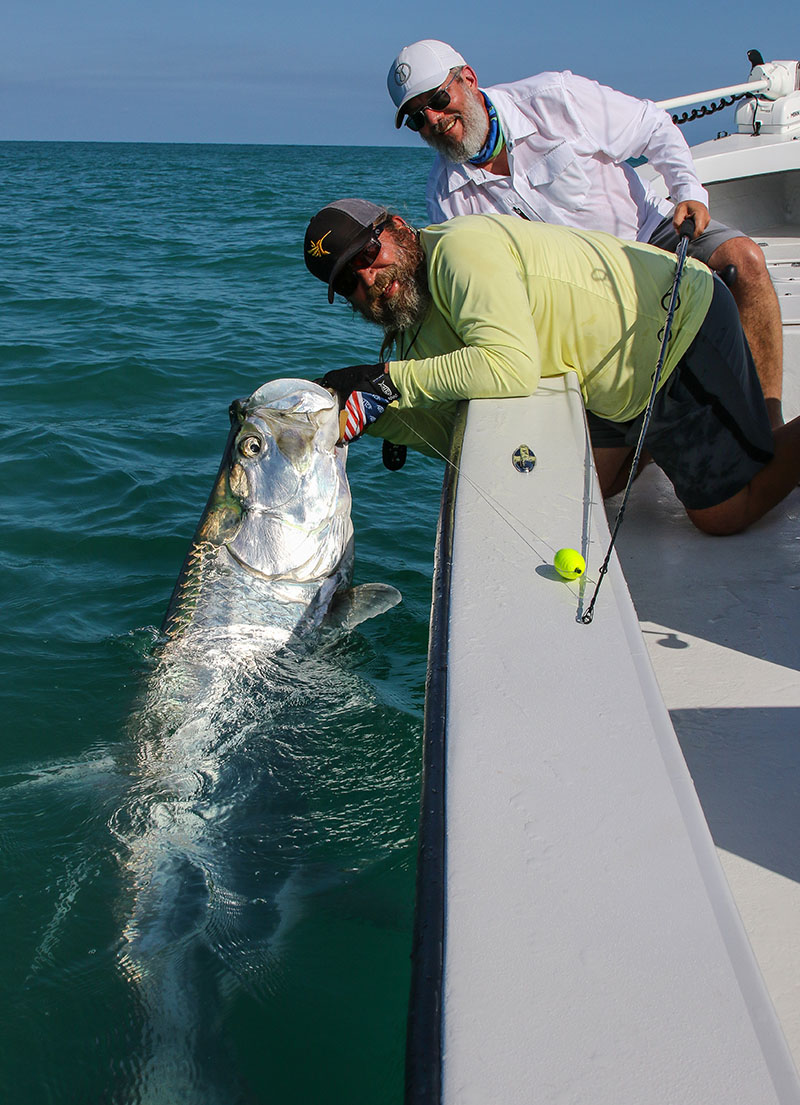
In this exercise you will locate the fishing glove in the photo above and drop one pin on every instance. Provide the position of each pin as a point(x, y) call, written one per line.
point(364, 391)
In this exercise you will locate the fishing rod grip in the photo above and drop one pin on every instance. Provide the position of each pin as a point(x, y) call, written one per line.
point(686, 229)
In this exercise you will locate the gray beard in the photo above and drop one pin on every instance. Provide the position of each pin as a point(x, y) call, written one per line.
point(476, 128)
point(410, 304)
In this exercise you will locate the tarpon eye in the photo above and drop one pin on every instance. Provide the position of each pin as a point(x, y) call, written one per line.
point(251, 446)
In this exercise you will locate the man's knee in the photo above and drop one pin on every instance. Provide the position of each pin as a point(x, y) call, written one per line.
point(751, 267)
point(727, 518)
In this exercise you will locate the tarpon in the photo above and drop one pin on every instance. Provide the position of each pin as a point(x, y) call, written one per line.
point(269, 565)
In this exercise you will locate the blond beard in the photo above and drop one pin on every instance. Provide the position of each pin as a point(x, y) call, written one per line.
point(409, 304)
point(475, 127)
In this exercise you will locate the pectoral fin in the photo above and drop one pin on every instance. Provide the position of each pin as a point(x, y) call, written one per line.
point(355, 605)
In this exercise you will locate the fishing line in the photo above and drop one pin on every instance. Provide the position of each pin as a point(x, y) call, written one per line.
point(497, 507)
point(685, 233)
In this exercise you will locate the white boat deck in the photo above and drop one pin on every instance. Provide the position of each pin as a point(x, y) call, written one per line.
point(721, 620)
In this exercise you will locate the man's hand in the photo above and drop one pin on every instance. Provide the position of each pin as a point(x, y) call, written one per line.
point(692, 209)
point(364, 391)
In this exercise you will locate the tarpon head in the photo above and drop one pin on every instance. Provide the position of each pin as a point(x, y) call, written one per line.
point(281, 503)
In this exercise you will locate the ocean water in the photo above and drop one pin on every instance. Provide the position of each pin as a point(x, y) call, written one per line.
point(143, 287)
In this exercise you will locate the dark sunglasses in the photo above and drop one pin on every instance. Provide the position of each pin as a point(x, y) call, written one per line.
point(438, 102)
point(346, 281)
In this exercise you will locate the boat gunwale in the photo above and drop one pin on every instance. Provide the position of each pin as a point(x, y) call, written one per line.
point(424, 1038)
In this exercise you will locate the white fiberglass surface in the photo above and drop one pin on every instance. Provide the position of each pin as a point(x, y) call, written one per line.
point(721, 620)
point(592, 948)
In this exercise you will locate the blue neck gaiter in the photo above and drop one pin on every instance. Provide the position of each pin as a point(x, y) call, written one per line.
point(495, 140)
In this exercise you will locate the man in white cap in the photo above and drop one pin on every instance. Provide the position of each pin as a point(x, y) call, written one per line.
point(554, 148)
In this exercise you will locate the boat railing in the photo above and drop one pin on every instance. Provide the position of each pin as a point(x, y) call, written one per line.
point(748, 88)
point(770, 99)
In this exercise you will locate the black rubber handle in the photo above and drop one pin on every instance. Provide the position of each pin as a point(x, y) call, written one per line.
point(394, 456)
point(686, 229)
point(728, 275)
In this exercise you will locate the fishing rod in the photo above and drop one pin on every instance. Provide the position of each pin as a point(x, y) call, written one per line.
point(685, 234)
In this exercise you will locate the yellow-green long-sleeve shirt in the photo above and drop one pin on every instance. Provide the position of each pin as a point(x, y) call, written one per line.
point(514, 301)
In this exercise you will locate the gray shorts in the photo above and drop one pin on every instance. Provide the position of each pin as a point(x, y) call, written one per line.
point(665, 237)
point(709, 430)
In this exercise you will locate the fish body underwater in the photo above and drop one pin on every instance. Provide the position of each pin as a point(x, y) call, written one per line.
point(268, 569)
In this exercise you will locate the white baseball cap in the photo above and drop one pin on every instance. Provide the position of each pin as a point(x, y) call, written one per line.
point(420, 67)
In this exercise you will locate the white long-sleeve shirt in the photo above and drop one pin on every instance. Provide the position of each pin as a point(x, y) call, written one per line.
point(568, 140)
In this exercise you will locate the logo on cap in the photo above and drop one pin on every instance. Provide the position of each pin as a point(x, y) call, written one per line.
point(402, 73)
point(316, 248)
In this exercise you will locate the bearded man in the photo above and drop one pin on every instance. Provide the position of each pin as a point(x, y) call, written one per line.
point(554, 148)
point(482, 306)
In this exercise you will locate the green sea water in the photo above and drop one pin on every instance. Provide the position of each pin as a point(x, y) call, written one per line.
point(143, 287)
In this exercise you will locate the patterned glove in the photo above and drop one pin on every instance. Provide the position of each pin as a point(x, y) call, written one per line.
point(364, 391)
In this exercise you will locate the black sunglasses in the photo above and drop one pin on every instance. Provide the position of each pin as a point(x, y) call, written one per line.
point(346, 281)
point(438, 102)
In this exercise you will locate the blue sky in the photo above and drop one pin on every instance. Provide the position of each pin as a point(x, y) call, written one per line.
point(314, 73)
